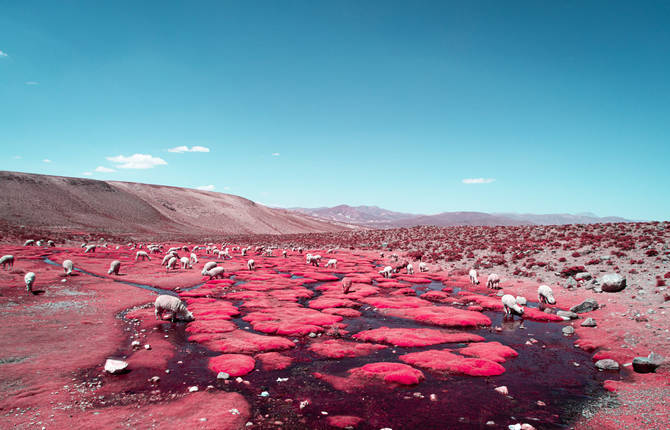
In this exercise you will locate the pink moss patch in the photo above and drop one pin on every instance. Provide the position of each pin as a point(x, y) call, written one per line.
point(343, 312)
point(336, 348)
point(445, 361)
point(232, 364)
point(414, 337)
point(394, 374)
point(395, 302)
point(210, 326)
point(494, 351)
point(537, 315)
point(241, 341)
point(328, 302)
point(343, 421)
point(274, 361)
point(297, 321)
point(443, 316)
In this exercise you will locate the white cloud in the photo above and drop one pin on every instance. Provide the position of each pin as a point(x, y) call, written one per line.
point(206, 187)
point(17, 157)
point(137, 161)
point(104, 169)
point(182, 149)
point(275, 154)
point(478, 180)
point(32, 83)
point(87, 174)
point(3, 54)
point(46, 160)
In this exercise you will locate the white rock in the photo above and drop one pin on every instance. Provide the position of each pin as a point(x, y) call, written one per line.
point(502, 390)
point(193, 389)
point(115, 366)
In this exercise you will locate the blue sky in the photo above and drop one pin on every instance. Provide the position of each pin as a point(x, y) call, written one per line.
point(547, 106)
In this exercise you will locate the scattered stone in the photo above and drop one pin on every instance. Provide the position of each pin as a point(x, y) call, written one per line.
point(154, 379)
point(568, 330)
point(502, 390)
point(147, 346)
point(193, 389)
point(583, 276)
point(571, 283)
point(589, 322)
point(135, 344)
point(265, 394)
point(114, 366)
point(607, 364)
point(567, 315)
point(222, 375)
point(587, 305)
point(612, 283)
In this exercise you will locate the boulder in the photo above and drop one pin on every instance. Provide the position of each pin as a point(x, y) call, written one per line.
point(567, 315)
point(568, 330)
point(114, 366)
point(589, 322)
point(587, 305)
point(583, 276)
point(612, 283)
point(647, 364)
point(607, 364)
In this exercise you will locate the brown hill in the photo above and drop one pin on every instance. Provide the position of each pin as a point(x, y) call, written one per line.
point(55, 203)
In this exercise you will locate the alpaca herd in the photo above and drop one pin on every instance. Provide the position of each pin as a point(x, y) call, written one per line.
point(211, 269)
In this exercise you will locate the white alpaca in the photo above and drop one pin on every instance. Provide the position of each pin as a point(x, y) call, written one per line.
point(332, 263)
point(386, 271)
point(545, 295)
point(410, 269)
point(7, 260)
point(510, 305)
point(493, 281)
point(114, 267)
point(208, 266)
point(142, 255)
point(423, 267)
point(172, 263)
point(251, 265)
point(174, 306)
point(474, 278)
point(215, 272)
point(29, 242)
point(30, 280)
point(185, 263)
point(193, 258)
point(89, 248)
point(68, 266)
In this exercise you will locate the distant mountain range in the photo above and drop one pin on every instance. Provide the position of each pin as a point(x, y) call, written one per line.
point(375, 217)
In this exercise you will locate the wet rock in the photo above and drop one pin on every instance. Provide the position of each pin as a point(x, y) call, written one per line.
point(502, 390)
point(589, 322)
point(115, 366)
point(567, 315)
point(568, 330)
point(647, 364)
point(587, 305)
point(571, 283)
point(607, 364)
point(612, 282)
